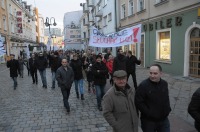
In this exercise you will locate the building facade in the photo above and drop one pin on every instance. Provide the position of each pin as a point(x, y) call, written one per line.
point(170, 33)
point(102, 15)
point(72, 30)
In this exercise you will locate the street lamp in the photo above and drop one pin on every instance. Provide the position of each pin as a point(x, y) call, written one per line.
point(53, 36)
point(48, 24)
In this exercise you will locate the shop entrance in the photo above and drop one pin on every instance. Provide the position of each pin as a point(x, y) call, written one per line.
point(194, 61)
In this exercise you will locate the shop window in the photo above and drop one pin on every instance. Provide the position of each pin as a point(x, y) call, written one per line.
point(164, 45)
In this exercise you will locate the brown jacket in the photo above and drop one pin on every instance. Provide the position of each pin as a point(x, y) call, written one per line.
point(119, 110)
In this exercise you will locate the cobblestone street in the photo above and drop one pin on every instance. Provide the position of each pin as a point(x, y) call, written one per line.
point(33, 108)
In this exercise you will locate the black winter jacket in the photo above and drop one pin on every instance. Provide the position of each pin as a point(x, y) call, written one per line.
point(65, 78)
point(41, 63)
point(77, 68)
point(152, 100)
point(32, 65)
point(99, 77)
point(119, 63)
point(130, 64)
point(194, 108)
point(14, 67)
point(55, 63)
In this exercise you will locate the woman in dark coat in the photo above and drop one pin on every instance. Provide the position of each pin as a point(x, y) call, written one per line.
point(100, 72)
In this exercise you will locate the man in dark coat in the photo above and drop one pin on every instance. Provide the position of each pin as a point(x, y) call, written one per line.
point(99, 71)
point(152, 100)
point(14, 69)
point(76, 65)
point(41, 64)
point(55, 64)
point(65, 78)
point(33, 68)
point(119, 61)
point(130, 67)
point(194, 108)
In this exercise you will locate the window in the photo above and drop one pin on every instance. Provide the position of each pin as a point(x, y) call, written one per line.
point(109, 17)
point(140, 5)
point(159, 1)
point(3, 4)
point(0, 23)
point(10, 9)
point(164, 45)
point(12, 27)
point(4, 23)
point(131, 7)
point(123, 11)
point(15, 12)
point(99, 7)
point(105, 21)
point(105, 2)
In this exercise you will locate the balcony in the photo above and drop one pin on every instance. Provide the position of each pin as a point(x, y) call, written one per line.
point(90, 3)
point(85, 8)
point(99, 14)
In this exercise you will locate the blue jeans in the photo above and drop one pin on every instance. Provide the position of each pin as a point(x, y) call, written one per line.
point(79, 83)
point(99, 93)
point(15, 81)
point(151, 126)
point(43, 77)
point(53, 78)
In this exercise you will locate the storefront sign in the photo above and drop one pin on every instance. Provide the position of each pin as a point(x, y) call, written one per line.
point(19, 22)
point(124, 37)
point(168, 23)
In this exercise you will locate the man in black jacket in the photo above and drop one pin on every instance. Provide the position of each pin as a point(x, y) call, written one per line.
point(152, 100)
point(65, 78)
point(33, 68)
point(41, 64)
point(130, 67)
point(14, 69)
point(194, 108)
point(55, 64)
point(119, 62)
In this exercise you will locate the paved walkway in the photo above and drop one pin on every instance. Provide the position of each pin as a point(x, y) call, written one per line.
point(32, 108)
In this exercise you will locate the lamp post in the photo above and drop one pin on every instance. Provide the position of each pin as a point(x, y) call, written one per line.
point(53, 36)
point(48, 24)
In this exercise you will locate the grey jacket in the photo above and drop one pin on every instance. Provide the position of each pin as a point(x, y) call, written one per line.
point(119, 110)
point(65, 78)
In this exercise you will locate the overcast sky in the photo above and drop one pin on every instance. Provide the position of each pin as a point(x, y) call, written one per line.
point(56, 8)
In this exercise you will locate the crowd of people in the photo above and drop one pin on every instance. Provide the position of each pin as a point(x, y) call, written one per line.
point(122, 104)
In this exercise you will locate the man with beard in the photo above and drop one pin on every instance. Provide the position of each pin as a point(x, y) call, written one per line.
point(14, 69)
point(41, 64)
point(119, 61)
point(65, 78)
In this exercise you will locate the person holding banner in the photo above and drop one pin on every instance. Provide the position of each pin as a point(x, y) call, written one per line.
point(130, 67)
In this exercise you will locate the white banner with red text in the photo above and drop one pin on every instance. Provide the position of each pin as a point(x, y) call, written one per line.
point(124, 37)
